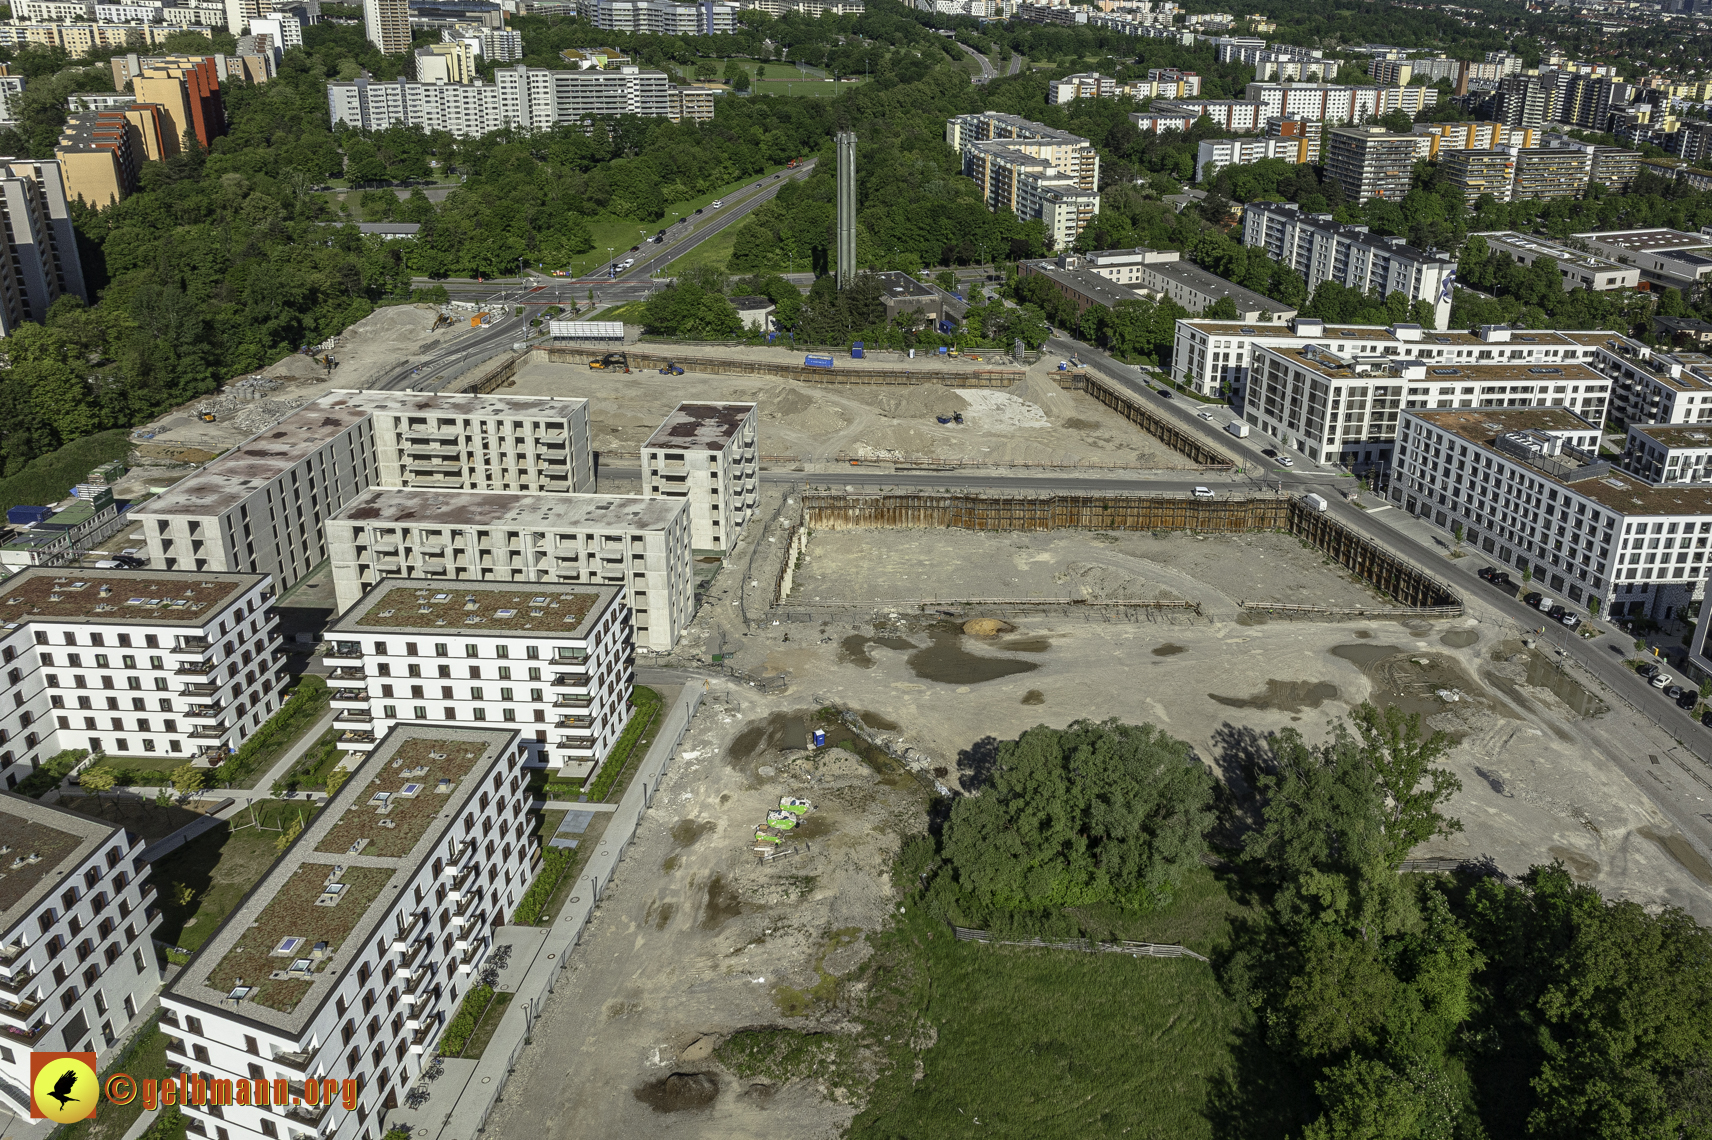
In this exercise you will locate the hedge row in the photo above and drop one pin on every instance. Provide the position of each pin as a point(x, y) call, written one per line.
point(554, 863)
point(458, 1031)
point(301, 710)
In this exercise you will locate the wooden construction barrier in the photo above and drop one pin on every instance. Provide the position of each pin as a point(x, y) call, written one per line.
point(1371, 563)
point(649, 360)
point(1186, 443)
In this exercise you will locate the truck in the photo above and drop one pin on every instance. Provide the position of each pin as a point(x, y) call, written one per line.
point(1238, 429)
point(1315, 503)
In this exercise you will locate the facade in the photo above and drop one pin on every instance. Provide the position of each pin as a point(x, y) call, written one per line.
point(535, 97)
point(1338, 103)
point(642, 544)
point(496, 45)
point(188, 92)
point(261, 507)
point(1443, 137)
point(1218, 357)
point(520, 96)
point(465, 111)
point(1580, 270)
point(387, 25)
point(77, 39)
point(1320, 249)
point(42, 263)
point(1477, 172)
point(1031, 170)
point(78, 965)
point(97, 157)
point(1110, 277)
point(1529, 491)
point(1551, 172)
point(1083, 85)
point(708, 455)
point(446, 63)
point(568, 672)
point(660, 17)
point(348, 958)
point(131, 662)
point(1311, 133)
point(1665, 257)
point(1668, 453)
point(692, 103)
point(1238, 115)
point(1273, 67)
point(1370, 162)
point(1220, 153)
point(1650, 386)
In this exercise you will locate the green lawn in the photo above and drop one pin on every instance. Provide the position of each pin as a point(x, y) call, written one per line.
point(630, 311)
point(619, 234)
point(145, 1059)
point(715, 251)
point(219, 869)
point(775, 69)
point(807, 87)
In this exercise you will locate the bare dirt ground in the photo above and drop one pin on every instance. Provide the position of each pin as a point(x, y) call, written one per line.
point(1216, 571)
point(1033, 423)
point(695, 938)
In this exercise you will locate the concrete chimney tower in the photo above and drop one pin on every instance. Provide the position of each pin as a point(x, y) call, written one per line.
point(846, 252)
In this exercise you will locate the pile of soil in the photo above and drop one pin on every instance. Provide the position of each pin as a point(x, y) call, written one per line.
point(1038, 389)
point(924, 400)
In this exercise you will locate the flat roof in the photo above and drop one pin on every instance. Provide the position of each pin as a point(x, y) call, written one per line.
point(142, 597)
point(419, 506)
point(1325, 223)
point(409, 606)
point(1657, 239)
point(705, 427)
point(1347, 367)
point(1552, 249)
point(1687, 436)
point(265, 456)
point(1612, 487)
point(1460, 338)
point(439, 772)
point(1213, 285)
point(42, 844)
point(1088, 283)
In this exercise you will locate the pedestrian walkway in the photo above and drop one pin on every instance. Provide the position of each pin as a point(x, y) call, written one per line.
point(459, 1100)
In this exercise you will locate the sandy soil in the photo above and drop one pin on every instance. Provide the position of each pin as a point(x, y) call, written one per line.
point(1033, 423)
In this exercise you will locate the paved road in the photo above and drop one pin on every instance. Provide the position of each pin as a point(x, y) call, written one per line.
point(987, 71)
point(727, 216)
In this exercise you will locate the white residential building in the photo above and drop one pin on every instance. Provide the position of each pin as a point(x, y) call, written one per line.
point(1664, 256)
point(519, 96)
point(496, 45)
point(132, 662)
point(77, 963)
point(54, 11)
point(1579, 270)
point(261, 507)
point(660, 17)
point(1220, 153)
point(1528, 491)
point(707, 454)
point(1243, 116)
point(1321, 249)
point(1669, 453)
point(1336, 102)
point(41, 263)
point(554, 658)
point(1083, 85)
point(348, 958)
point(1650, 386)
point(642, 544)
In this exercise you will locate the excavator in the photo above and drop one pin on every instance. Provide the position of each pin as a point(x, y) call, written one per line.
point(612, 361)
point(672, 368)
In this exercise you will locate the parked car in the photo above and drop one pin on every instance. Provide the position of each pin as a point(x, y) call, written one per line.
point(1647, 669)
point(1706, 718)
point(1165, 393)
point(1673, 691)
point(1203, 492)
point(1286, 461)
point(1487, 574)
point(1660, 680)
point(1688, 699)
point(1532, 599)
point(1270, 453)
point(1573, 621)
point(1205, 415)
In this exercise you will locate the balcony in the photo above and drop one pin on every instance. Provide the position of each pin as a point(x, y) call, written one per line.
point(333, 653)
point(204, 714)
point(472, 956)
point(461, 909)
point(421, 1016)
point(310, 1114)
point(191, 646)
point(352, 716)
point(415, 986)
point(577, 679)
point(401, 940)
point(350, 698)
point(412, 955)
point(26, 1038)
point(207, 732)
point(456, 863)
point(355, 740)
point(15, 987)
point(419, 1039)
point(470, 929)
point(432, 446)
point(298, 1061)
point(574, 703)
point(459, 880)
point(199, 689)
point(15, 1015)
point(194, 669)
point(578, 725)
point(347, 673)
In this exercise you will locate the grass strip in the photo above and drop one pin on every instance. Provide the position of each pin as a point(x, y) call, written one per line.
point(555, 861)
point(647, 704)
point(488, 1025)
point(459, 1029)
point(268, 743)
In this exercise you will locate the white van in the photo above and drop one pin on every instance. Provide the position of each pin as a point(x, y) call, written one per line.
point(1203, 492)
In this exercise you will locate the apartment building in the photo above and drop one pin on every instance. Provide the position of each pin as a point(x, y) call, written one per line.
point(1276, 67)
point(557, 658)
point(660, 17)
point(1477, 172)
point(1030, 169)
point(77, 964)
point(1157, 122)
point(536, 97)
point(101, 151)
point(496, 45)
point(1551, 172)
point(454, 537)
point(1653, 386)
point(1664, 256)
point(707, 454)
point(348, 958)
point(261, 507)
point(689, 103)
point(1110, 277)
point(1220, 153)
point(1668, 453)
point(1391, 72)
point(1321, 249)
point(41, 263)
point(1311, 133)
point(1579, 270)
point(188, 92)
point(1371, 162)
point(386, 23)
point(132, 662)
point(446, 63)
point(463, 110)
point(1612, 167)
point(1528, 490)
point(79, 39)
point(1218, 357)
point(1082, 85)
point(1238, 115)
point(1336, 102)
point(1479, 135)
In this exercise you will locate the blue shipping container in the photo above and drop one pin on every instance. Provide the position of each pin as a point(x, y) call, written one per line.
point(942, 350)
point(27, 516)
point(817, 361)
point(856, 351)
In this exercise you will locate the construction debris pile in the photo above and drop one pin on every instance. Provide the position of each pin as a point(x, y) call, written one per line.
point(780, 820)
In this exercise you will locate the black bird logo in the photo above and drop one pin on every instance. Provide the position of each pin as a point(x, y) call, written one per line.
point(62, 1087)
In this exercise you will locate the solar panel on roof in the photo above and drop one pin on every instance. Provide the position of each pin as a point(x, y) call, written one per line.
point(1447, 372)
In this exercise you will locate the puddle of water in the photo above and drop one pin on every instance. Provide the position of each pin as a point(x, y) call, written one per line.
point(1459, 638)
point(679, 1092)
point(1683, 852)
point(1581, 868)
point(1284, 696)
point(1365, 656)
point(1034, 697)
point(853, 650)
point(723, 904)
point(1027, 644)
point(947, 662)
point(1169, 650)
point(1364, 633)
point(1410, 679)
point(780, 730)
point(877, 722)
point(1543, 674)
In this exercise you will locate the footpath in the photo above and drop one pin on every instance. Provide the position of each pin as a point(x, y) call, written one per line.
point(459, 1099)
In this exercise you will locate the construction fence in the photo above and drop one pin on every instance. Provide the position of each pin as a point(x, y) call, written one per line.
point(1374, 565)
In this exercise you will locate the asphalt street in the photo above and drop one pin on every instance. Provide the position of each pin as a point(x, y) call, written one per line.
point(987, 71)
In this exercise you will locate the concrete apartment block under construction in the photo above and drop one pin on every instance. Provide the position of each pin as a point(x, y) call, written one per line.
point(40, 263)
point(707, 454)
point(262, 507)
point(451, 537)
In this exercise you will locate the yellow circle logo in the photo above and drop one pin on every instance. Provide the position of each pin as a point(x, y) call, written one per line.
point(66, 1090)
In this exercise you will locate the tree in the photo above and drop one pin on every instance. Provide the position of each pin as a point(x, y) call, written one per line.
point(1093, 813)
point(336, 780)
point(98, 780)
point(290, 834)
point(188, 779)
